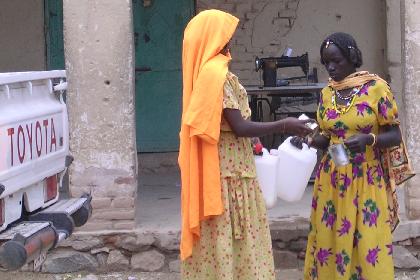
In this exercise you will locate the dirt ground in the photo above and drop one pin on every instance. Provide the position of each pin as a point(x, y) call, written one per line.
point(288, 274)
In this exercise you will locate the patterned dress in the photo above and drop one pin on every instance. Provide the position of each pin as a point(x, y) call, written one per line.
point(237, 244)
point(350, 236)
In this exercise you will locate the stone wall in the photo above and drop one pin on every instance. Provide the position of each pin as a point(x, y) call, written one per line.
point(159, 251)
point(99, 61)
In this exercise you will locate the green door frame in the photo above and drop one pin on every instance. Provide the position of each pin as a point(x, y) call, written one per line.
point(54, 39)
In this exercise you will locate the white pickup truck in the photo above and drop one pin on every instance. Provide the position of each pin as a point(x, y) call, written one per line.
point(34, 157)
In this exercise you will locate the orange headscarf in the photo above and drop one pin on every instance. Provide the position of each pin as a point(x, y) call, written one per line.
point(204, 73)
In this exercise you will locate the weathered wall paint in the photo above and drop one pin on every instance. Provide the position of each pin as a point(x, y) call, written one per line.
point(98, 40)
point(22, 45)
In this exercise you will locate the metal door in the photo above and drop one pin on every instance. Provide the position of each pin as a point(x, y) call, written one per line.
point(53, 11)
point(158, 31)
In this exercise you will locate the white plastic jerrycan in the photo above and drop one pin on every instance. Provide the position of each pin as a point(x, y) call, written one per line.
point(267, 166)
point(294, 170)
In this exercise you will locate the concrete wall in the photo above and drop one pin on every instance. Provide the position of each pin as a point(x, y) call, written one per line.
point(411, 98)
point(393, 53)
point(22, 45)
point(267, 27)
point(98, 42)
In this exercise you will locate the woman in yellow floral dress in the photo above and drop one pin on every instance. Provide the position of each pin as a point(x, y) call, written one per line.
point(350, 235)
point(217, 163)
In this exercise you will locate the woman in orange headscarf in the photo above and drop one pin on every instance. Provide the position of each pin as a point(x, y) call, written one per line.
point(225, 232)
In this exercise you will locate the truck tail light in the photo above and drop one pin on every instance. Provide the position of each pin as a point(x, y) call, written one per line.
point(50, 188)
point(2, 211)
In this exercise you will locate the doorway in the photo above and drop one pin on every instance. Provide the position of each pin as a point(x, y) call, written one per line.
point(158, 32)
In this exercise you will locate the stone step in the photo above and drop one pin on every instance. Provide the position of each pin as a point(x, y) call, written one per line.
point(285, 274)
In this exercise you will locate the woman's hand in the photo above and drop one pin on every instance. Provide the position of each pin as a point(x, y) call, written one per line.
point(295, 126)
point(357, 143)
point(298, 141)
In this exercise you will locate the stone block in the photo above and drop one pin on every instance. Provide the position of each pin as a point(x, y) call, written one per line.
point(292, 5)
point(289, 231)
point(279, 245)
point(285, 259)
point(227, 7)
point(136, 243)
point(117, 261)
point(407, 230)
point(168, 241)
point(125, 180)
point(123, 202)
point(288, 14)
point(79, 191)
point(175, 266)
point(148, 261)
point(404, 259)
point(243, 8)
point(99, 250)
point(272, 50)
point(102, 259)
point(114, 214)
point(83, 243)
point(407, 242)
point(96, 225)
point(101, 203)
point(114, 191)
point(126, 225)
point(66, 261)
point(299, 245)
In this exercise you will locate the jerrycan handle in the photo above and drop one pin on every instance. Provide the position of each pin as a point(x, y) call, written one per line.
point(265, 152)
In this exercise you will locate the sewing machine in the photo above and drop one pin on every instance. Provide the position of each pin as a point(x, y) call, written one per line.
point(269, 67)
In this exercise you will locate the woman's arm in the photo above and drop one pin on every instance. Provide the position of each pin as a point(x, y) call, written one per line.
point(389, 137)
point(246, 128)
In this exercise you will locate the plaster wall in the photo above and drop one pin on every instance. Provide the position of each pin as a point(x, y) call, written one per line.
point(98, 40)
point(22, 45)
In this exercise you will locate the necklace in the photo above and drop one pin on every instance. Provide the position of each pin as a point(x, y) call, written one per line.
point(353, 92)
point(350, 100)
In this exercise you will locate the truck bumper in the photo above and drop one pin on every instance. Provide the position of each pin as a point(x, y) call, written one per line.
point(29, 241)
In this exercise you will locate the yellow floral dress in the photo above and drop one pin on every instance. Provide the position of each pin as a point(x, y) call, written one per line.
point(237, 244)
point(350, 236)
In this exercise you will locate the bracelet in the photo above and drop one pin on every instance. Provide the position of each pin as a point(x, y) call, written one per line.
point(374, 139)
point(284, 128)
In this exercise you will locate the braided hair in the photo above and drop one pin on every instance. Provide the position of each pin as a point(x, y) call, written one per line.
point(347, 45)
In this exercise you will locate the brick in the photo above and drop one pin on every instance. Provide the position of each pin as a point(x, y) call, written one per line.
point(79, 191)
point(287, 13)
point(244, 8)
point(96, 225)
point(125, 180)
point(114, 214)
point(114, 191)
point(227, 7)
point(123, 202)
point(272, 50)
point(101, 203)
point(285, 259)
point(124, 225)
point(292, 5)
